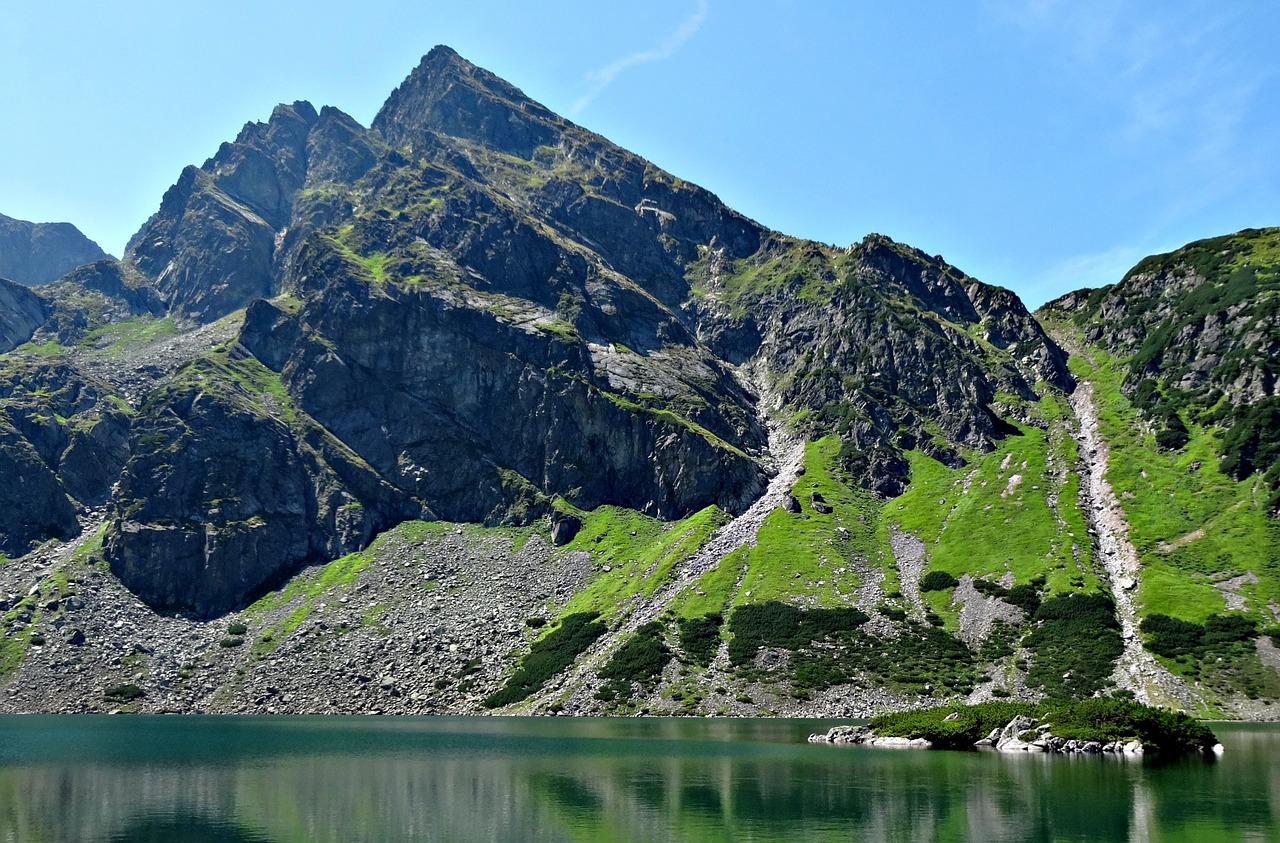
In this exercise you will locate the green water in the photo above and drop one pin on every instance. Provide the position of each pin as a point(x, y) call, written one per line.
point(276, 779)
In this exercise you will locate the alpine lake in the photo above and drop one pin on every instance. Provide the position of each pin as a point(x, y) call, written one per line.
point(276, 779)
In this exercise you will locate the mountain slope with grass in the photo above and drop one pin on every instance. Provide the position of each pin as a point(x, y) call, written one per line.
point(1180, 361)
point(473, 411)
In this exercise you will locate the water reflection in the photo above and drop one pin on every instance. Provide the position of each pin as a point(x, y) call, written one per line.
point(269, 780)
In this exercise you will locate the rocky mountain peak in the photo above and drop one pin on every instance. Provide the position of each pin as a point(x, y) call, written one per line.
point(449, 95)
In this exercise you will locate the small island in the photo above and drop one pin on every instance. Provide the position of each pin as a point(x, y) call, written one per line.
point(1097, 725)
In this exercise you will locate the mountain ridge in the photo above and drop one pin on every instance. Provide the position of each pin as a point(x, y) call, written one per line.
point(476, 347)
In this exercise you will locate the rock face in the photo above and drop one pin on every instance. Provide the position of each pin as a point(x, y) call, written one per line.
point(475, 307)
point(21, 312)
point(95, 295)
point(63, 442)
point(37, 253)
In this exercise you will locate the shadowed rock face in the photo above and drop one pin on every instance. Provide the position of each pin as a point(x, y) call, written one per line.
point(63, 442)
point(21, 312)
point(37, 253)
point(475, 307)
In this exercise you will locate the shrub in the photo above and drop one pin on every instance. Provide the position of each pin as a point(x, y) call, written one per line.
point(1170, 637)
point(124, 693)
point(1098, 719)
point(1108, 719)
point(641, 659)
point(700, 637)
point(1253, 442)
point(230, 642)
point(237, 629)
point(1220, 630)
point(989, 588)
point(548, 656)
point(1025, 597)
point(973, 723)
point(775, 624)
point(938, 581)
point(1076, 643)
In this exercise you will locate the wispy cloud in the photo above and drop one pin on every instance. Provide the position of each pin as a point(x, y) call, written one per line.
point(601, 78)
point(1173, 75)
point(1090, 270)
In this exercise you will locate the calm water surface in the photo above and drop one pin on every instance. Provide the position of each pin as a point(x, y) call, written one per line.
point(345, 779)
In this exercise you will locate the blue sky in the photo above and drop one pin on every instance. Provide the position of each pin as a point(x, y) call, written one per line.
point(1036, 144)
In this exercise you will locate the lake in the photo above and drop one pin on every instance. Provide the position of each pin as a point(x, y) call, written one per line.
point(277, 779)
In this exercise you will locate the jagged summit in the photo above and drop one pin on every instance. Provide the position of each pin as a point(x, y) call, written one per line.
point(446, 93)
point(474, 309)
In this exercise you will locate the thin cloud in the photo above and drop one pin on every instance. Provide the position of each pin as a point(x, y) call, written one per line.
point(1073, 273)
point(603, 77)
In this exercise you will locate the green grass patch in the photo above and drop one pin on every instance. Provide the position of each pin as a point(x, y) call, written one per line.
point(1189, 522)
point(639, 551)
point(715, 589)
point(118, 338)
point(805, 554)
point(1013, 510)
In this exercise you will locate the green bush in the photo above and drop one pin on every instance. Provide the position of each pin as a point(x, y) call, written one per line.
point(1253, 442)
point(237, 629)
point(700, 637)
point(775, 624)
point(1174, 435)
point(1025, 597)
point(1100, 719)
point(973, 723)
point(124, 693)
point(548, 656)
point(1075, 642)
point(1109, 719)
point(641, 659)
point(989, 588)
point(1170, 637)
point(938, 581)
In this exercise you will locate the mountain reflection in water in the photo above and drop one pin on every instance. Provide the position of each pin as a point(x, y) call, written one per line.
point(270, 780)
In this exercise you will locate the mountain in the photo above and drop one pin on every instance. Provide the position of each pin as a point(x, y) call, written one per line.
point(37, 253)
point(474, 410)
point(1199, 329)
point(1178, 363)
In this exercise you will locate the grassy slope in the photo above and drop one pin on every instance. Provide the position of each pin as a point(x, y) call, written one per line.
point(1168, 496)
point(639, 552)
point(802, 558)
point(980, 521)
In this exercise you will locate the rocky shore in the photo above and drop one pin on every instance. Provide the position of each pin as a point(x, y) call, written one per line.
point(1020, 734)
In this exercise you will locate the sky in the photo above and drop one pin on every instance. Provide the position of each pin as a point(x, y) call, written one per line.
point(1042, 145)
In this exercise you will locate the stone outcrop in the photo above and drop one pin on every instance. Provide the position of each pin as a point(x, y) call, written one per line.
point(63, 442)
point(1021, 734)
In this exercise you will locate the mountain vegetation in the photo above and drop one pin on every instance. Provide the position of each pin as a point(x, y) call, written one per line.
point(473, 410)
